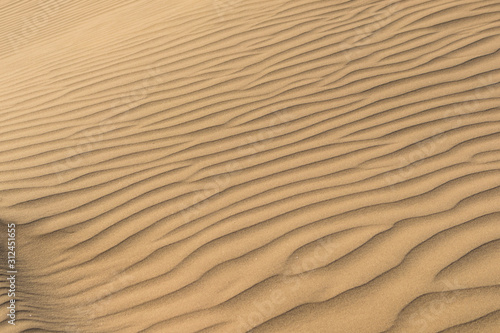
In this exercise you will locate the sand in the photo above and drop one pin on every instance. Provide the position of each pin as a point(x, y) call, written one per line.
point(251, 166)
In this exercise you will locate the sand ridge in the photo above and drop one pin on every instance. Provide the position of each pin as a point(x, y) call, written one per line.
point(247, 165)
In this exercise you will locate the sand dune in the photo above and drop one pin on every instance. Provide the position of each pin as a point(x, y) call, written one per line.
point(247, 165)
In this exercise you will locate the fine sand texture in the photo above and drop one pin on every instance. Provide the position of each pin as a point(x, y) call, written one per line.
point(232, 166)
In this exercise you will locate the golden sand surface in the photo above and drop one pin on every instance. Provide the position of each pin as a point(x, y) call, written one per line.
point(231, 166)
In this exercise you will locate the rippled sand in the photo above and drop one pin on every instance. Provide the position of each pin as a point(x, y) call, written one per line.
point(233, 165)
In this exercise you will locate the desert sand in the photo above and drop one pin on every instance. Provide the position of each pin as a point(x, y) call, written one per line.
point(214, 166)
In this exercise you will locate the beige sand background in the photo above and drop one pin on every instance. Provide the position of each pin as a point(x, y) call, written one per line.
point(232, 165)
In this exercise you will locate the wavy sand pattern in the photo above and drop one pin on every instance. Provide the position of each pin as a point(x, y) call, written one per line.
point(233, 165)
